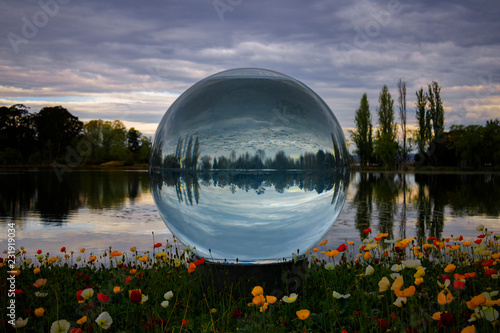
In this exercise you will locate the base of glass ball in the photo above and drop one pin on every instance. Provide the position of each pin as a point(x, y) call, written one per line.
point(277, 279)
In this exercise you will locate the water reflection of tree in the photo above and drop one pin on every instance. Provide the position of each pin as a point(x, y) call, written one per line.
point(385, 190)
point(55, 200)
point(465, 194)
point(362, 201)
point(187, 184)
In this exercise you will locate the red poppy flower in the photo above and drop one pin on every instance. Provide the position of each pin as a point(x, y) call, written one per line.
point(378, 239)
point(447, 319)
point(157, 245)
point(237, 313)
point(478, 241)
point(461, 238)
point(432, 239)
point(199, 261)
point(63, 249)
point(135, 296)
point(79, 295)
point(487, 263)
point(103, 298)
point(444, 277)
point(39, 252)
point(367, 230)
point(128, 279)
point(481, 236)
point(342, 247)
point(76, 330)
point(460, 285)
point(490, 272)
point(383, 324)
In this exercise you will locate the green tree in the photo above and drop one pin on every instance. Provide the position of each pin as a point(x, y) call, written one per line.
point(17, 134)
point(109, 141)
point(144, 149)
point(362, 135)
point(386, 147)
point(436, 109)
point(57, 125)
point(423, 130)
point(133, 136)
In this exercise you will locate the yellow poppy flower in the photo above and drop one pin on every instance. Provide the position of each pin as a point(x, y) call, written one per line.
point(419, 281)
point(398, 283)
point(383, 284)
point(420, 273)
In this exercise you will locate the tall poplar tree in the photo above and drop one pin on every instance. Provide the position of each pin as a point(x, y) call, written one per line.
point(423, 130)
point(386, 146)
point(436, 109)
point(362, 135)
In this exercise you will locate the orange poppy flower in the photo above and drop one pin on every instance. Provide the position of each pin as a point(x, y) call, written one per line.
point(408, 292)
point(303, 314)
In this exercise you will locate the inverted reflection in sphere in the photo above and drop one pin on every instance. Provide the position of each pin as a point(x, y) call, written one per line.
point(249, 165)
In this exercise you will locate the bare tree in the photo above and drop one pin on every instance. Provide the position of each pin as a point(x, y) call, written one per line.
point(402, 115)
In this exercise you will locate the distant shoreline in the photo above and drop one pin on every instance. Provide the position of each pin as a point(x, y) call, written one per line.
point(370, 169)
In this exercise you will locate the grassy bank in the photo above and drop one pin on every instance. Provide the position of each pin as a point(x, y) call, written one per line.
point(447, 285)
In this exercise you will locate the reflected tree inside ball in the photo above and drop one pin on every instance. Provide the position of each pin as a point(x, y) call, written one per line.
point(249, 165)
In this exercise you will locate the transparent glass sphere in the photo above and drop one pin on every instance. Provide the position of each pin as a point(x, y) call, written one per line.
point(249, 165)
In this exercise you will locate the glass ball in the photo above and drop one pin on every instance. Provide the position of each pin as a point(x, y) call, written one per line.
point(249, 165)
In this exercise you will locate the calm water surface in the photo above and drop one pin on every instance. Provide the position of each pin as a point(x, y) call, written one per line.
point(98, 209)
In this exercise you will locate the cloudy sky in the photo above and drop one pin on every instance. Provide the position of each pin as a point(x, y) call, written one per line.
point(129, 60)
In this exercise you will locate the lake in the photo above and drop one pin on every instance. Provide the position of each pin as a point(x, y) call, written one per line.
point(97, 209)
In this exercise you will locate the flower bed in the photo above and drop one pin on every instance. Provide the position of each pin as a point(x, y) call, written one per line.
point(436, 285)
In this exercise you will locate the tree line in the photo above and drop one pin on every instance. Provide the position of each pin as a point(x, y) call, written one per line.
point(187, 156)
point(462, 146)
point(54, 135)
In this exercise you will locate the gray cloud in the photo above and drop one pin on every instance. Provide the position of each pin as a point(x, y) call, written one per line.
point(102, 58)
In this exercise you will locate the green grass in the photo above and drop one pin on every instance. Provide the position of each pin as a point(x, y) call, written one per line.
point(197, 306)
